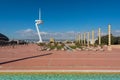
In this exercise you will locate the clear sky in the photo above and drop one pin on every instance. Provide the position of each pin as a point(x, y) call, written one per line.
point(18, 16)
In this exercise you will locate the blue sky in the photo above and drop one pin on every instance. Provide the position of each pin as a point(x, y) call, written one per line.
point(17, 17)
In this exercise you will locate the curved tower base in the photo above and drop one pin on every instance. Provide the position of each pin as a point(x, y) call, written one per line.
point(40, 39)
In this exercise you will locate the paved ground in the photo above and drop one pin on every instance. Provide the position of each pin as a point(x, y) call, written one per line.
point(31, 58)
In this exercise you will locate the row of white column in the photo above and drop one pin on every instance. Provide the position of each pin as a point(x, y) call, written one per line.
point(82, 37)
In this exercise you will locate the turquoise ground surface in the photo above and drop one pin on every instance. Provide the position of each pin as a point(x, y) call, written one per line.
point(59, 76)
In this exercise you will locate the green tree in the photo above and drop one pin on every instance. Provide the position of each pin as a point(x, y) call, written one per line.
point(104, 40)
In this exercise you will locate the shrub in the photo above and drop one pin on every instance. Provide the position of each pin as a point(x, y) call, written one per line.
point(59, 47)
point(73, 47)
point(41, 44)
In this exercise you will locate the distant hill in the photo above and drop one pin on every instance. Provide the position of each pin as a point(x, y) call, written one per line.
point(3, 37)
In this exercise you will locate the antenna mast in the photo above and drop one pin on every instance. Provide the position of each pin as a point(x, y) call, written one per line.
point(39, 13)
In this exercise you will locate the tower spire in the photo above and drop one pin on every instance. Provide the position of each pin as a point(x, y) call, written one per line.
point(37, 23)
point(39, 13)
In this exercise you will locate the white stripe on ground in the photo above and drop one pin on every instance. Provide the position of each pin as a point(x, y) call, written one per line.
point(48, 67)
point(60, 71)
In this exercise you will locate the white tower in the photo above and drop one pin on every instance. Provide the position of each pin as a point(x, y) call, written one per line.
point(37, 23)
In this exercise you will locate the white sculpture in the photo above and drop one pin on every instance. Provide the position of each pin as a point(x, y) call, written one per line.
point(38, 22)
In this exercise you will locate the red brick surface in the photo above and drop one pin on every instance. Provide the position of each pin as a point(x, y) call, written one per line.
point(31, 58)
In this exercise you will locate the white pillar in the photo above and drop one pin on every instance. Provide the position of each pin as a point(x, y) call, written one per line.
point(93, 41)
point(88, 39)
point(99, 36)
point(109, 35)
point(79, 38)
point(109, 38)
point(76, 37)
point(84, 39)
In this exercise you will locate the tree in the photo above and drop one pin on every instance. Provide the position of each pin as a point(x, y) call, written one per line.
point(104, 40)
